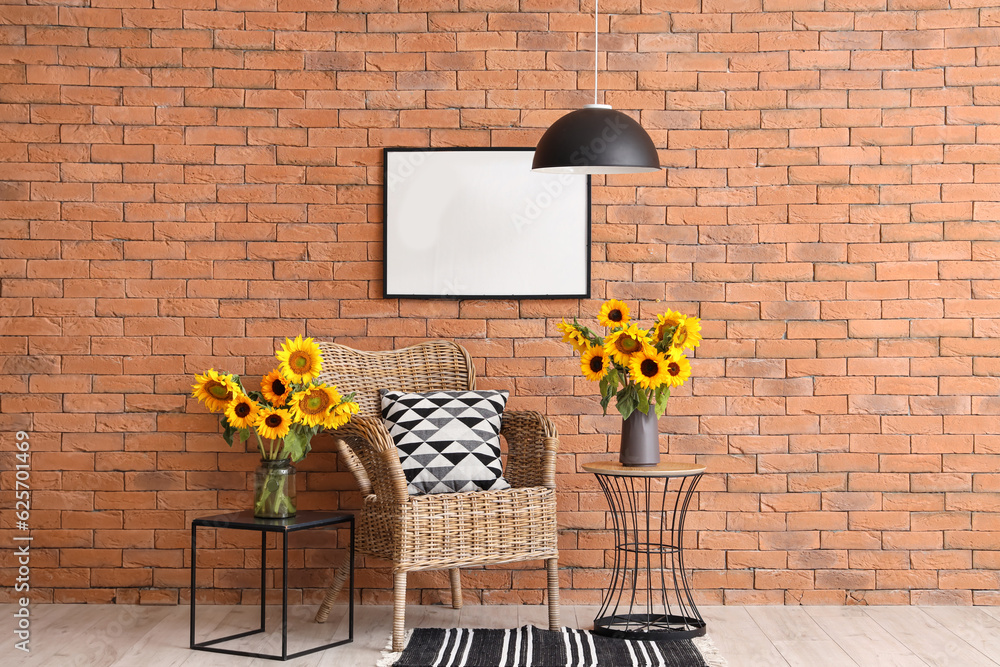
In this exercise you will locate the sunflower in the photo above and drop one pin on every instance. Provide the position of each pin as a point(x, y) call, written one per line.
point(275, 388)
point(614, 313)
point(312, 405)
point(215, 390)
point(649, 368)
point(678, 368)
point(242, 412)
point(595, 363)
point(273, 423)
point(300, 359)
point(624, 343)
point(347, 408)
point(688, 334)
point(664, 323)
point(573, 336)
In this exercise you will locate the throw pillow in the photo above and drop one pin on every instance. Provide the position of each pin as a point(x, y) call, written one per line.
point(448, 441)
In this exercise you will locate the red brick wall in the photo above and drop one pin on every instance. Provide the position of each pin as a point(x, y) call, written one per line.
point(182, 186)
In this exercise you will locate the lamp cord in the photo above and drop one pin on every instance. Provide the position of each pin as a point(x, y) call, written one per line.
point(595, 51)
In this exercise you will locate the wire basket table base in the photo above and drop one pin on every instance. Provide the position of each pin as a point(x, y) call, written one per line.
point(649, 596)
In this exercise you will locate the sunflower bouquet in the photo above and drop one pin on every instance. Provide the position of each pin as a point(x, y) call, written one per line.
point(290, 408)
point(635, 366)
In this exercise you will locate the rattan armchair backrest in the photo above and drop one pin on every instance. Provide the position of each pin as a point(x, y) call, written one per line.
point(430, 366)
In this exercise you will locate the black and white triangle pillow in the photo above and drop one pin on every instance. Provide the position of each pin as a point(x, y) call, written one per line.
point(448, 441)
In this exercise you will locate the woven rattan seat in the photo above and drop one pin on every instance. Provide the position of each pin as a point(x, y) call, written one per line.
point(445, 530)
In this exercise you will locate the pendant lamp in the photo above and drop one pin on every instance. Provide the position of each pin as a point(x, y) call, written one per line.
point(595, 140)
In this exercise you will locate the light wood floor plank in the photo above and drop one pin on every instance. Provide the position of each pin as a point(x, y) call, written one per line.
point(102, 644)
point(787, 624)
point(932, 642)
point(538, 615)
point(798, 638)
point(488, 616)
point(992, 611)
point(585, 616)
point(867, 643)
point(813, 653)
point(52, 628)
point(372, 629)
point(979, 629)
point(166, 643)
point(739, 639)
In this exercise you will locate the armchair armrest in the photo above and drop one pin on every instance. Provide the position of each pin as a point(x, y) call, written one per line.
point(532, 443)
point(372, 458)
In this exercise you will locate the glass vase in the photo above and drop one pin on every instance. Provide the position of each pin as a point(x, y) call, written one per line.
point(274, 489)
point(640, 444)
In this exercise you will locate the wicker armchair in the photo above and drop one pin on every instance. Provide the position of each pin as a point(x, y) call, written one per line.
point(446, 530)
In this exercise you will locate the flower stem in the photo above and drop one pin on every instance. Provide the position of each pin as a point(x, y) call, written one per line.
point(260, 444)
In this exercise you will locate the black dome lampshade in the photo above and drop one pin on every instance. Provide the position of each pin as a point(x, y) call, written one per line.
point(595, 140)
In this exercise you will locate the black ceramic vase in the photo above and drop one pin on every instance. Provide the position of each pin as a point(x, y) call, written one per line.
point(640, 439)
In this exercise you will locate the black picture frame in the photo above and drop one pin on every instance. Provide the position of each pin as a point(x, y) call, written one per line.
point(477, 223)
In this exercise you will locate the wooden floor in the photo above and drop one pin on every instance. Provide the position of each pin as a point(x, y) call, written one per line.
point(128, 636)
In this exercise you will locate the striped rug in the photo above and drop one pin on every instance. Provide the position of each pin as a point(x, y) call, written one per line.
point(533, 647)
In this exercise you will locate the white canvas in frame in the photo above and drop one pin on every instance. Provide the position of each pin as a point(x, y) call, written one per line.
point(478, 223)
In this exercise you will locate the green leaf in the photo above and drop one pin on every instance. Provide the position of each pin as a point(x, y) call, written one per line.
point(643, 402)
point(297, 442)
point(228, 431)
point(627, 401)
point(606, 400)
point(609, 385)
point(662, 394)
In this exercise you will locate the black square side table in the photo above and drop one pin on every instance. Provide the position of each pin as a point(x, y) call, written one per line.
point(247, 521)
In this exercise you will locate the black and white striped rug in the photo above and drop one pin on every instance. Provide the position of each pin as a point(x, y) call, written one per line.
point(533, 647)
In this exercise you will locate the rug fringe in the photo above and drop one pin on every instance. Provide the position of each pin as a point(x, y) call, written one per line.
point(389, 657)
point(709, 651)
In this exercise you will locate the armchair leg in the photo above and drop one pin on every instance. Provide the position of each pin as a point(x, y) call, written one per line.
point(552, 565)
point(398, 609)
point(343, 570)
point(456, 588)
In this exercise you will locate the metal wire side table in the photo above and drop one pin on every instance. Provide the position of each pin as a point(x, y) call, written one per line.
point(649, 596)
point(247, 521)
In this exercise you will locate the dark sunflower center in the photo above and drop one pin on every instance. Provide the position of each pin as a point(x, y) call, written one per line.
point(274, 421)
point(242, 410)
point(615, 315)
point(596, 364)
point(649, 367)
point(627, 344)
point(664, 328)
point(674, 368)
point(315, 402)
point(278, 387)
point(218, 390)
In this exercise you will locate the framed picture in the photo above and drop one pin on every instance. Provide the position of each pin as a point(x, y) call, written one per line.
point(477, 223)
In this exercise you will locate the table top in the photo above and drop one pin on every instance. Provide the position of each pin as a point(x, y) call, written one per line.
point(247, 521)
point(662, 469)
